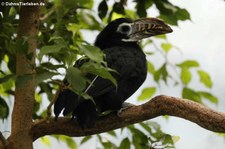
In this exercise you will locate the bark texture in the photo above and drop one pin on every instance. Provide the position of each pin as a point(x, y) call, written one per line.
point(160, 105)
point(21, 138)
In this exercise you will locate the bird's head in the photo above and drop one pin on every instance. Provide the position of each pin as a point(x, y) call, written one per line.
point(123, 31)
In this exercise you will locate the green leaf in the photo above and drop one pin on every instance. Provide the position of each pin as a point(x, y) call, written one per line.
point(151, 67)
point(99, 70)
point(170, 19)
point(118, 8)
point(73, 27)
point(7, 86)
point(109, 145)
point(40, 77)
point(167, 139)
point(209, 96)
point(85, 3)
point(161, 73)
point(37, 103)
point(48, 65)
point(85, 139)
point(166, 47)
point(165, 7)
point(182, 14)
point(140, 140)
point(114, 16)
point(50, 49)
point(12, 63)
point(106, 143)
point(141, 11)
point(171, 13)
point(146, 127)
point(167, 11)
point(71, 143)
point(4, 109)
point(68, 56)
point(112, 133)
point(20, 45)
point(56, 39)
point(76, 79)
point(6, 78)
point(147, 93)
point(205, 78)
point(185, 75)
point(175, 138)
point(154, 125)
point(46, 88)
point(88, 21)
point(92, 52)
point(125, 144)
point(102, 9)
point(46, 141)
point(191, 94)
point(188, 64)
point(162, 36)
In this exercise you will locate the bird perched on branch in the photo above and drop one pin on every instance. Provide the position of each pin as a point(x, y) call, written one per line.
point(118, 40)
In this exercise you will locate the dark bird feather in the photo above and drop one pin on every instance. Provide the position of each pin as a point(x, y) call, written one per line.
point(118, 41)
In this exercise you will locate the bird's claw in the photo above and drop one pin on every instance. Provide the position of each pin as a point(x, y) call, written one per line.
point(125, 106)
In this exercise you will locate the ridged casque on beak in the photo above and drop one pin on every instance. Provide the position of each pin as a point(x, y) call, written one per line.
point(147, 27)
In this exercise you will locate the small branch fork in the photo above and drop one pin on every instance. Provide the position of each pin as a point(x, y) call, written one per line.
point(49, 108)
point(158, 106)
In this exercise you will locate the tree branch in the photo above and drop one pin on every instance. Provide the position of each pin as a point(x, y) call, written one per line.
point(160, 105)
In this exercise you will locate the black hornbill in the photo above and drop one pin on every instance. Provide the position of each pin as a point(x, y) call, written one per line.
point(118, 40)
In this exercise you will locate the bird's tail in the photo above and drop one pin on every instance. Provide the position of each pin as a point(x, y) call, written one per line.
point(67, 101)
point(86, 114)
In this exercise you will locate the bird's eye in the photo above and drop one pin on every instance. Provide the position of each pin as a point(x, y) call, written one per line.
point(124, 28)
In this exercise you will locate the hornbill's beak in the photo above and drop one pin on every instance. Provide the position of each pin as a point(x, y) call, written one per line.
point(147, 27)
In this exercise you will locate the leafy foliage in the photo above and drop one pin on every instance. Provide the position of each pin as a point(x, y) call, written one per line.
point(61, 41)
point(170, 13)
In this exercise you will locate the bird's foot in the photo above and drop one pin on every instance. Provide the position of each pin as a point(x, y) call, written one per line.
point(125, 106)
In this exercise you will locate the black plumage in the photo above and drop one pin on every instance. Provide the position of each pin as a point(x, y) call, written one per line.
point(118, 41)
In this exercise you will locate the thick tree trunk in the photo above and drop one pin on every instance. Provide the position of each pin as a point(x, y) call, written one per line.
point(21, 136)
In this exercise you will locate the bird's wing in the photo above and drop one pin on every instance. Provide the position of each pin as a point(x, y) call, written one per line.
point(67, 100)
point(100, 86)
point(119, 60)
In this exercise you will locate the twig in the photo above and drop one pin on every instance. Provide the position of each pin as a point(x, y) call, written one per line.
point(48, 14)
point(91, 84)
point(49, 108)
point(167, 62)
